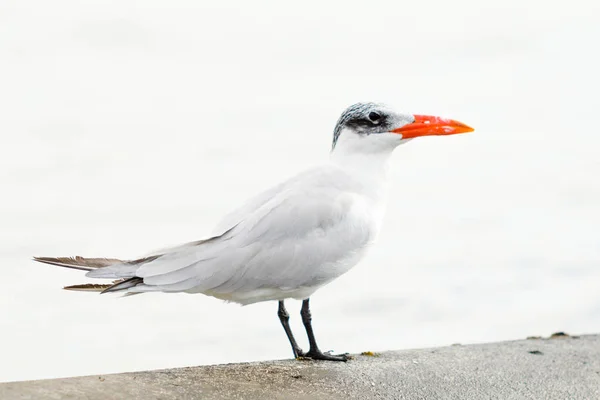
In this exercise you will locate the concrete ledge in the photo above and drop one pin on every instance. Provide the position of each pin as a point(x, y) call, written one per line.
point(556, 368)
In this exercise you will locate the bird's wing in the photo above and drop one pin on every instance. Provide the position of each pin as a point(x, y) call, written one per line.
point(276, 239)
point(235, 217)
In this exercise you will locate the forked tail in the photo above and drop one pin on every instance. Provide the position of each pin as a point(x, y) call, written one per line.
point(89, 264)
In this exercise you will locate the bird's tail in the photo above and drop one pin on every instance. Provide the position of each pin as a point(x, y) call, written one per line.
point(90, 264)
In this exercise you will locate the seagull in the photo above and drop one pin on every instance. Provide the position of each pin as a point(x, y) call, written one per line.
point(290, 240)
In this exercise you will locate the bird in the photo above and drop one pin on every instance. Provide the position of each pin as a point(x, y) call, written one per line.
point(293, 238)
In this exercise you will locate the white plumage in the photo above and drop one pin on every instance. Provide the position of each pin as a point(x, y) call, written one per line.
point(292, 239)
point(285, 243)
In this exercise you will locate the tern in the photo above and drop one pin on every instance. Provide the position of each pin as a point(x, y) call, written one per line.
point(290, 240)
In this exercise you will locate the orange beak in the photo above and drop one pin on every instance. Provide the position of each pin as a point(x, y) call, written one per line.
point(426, 125)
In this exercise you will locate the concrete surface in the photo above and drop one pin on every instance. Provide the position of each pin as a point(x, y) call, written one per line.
point(554, 368)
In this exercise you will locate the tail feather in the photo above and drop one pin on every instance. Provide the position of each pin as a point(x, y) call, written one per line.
point(115, 286)
point(89, 287)
point(80, 263)
point(123, 269)
point(93, 264)
point(123, 285)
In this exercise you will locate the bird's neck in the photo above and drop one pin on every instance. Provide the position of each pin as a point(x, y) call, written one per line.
point(369, 173)
point(368, 165)
point(368, 170)
point(363, 156)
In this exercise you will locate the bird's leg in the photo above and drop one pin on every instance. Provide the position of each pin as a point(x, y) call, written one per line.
point(314, 351)
point(284, 317)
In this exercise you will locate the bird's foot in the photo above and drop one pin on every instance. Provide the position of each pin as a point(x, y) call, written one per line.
point(319, 355)
point(298, 353)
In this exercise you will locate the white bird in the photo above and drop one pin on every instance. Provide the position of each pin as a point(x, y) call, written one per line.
point(292, 239)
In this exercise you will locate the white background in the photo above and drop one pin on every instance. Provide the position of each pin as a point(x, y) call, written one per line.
point(129, 126)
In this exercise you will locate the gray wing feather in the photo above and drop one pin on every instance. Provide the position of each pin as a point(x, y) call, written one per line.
point(270, 242)
point(265, 248)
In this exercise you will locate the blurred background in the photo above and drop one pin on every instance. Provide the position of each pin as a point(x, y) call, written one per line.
point(127, 126)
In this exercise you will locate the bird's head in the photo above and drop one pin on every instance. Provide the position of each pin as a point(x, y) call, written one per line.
point(372, 127)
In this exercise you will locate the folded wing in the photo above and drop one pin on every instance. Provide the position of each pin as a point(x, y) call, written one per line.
point(291, 237)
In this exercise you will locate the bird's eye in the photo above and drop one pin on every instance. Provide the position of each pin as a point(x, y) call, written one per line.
point(374, 117)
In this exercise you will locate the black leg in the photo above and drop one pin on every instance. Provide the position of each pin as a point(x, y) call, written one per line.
point(284, 317)
point(314, 351)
